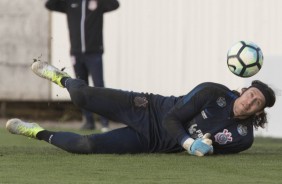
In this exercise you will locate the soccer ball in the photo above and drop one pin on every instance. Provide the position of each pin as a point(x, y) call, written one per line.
point(244, 59)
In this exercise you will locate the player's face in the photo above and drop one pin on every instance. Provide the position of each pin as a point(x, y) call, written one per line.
point(249, 103)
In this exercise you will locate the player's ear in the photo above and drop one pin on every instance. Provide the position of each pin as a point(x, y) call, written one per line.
point(243, 90)
point(260, 112)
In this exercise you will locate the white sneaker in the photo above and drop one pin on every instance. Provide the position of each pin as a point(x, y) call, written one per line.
point(47, 71)
point(19, 127)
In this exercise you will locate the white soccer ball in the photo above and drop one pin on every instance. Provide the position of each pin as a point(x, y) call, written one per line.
point(244, 59)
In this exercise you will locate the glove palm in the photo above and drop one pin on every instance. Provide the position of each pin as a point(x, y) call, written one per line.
point(201, 146)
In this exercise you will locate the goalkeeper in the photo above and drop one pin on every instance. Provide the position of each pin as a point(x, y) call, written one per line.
point(211, 119)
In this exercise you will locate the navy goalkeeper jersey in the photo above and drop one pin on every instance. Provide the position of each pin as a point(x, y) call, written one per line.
point(208, 108)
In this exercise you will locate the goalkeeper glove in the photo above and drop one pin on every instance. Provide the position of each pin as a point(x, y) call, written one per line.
point(199, 146)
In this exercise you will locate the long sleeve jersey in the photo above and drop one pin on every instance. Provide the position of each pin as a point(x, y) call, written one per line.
point(208, 108)
point(85, 22)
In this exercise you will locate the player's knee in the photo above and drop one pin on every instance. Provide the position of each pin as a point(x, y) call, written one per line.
point(77, 90)
point(82, 145)
point(78, 97)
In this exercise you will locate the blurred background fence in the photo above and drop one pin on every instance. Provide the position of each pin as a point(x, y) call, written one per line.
point(161, 46)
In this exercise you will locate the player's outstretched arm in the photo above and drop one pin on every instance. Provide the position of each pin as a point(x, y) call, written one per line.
point(200, 146)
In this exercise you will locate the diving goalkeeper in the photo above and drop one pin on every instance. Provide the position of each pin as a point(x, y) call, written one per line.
point(210, 119)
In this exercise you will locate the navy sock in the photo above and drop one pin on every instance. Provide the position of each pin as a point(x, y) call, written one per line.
point(44, 135)
point(63, 81)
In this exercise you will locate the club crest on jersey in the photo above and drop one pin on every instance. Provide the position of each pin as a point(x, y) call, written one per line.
point(223, 137)
point(221, 102)
point(140, 101)
point(242, 129)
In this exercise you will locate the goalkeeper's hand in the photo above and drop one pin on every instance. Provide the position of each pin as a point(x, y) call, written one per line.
point(200, 146)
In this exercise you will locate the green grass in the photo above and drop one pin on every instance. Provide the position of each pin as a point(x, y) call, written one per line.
point(28, 161)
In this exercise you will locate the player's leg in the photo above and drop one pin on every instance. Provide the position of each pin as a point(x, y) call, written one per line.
point(127, 107)
point(119, 141)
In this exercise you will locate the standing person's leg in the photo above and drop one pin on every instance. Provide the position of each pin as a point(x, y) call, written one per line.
point(94, 64)
point(81, 72)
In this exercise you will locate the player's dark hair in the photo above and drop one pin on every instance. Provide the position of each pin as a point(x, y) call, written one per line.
point(267, 92)
point(260, 120)
point(257, 120)
point(270, 98)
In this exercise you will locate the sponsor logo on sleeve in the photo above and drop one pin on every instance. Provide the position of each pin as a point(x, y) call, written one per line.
point(242, 130)
point(204, 115)
point(223, 137)
point(221, 102)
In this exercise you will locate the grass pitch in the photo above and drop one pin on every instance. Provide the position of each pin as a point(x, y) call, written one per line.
point(29, 161)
